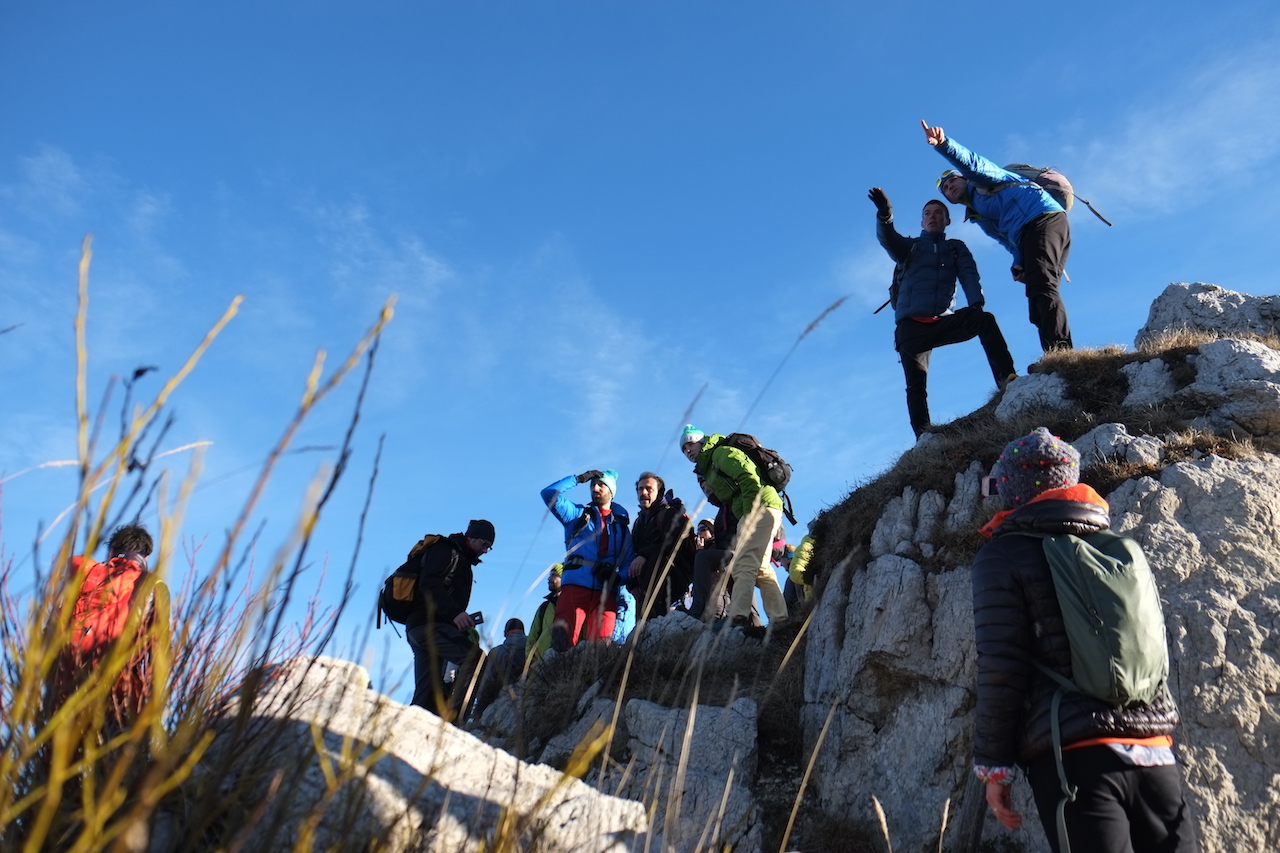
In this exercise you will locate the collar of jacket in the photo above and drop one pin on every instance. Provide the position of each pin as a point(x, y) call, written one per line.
point(702, 464)
point(1080, 493)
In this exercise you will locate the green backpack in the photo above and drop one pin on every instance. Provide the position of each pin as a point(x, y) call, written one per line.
point(1111, 611)
point(1115, 627)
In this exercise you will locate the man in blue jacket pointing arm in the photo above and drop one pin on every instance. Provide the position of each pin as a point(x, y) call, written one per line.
point(1024, 219)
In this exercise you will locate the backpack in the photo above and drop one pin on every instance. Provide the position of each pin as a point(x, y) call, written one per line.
point(772, 469)
point(1115, 627)
point(399, 597)
point(1046, 178)
point(103, 604)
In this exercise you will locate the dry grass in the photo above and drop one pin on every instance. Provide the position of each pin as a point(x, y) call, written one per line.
point(75, 779)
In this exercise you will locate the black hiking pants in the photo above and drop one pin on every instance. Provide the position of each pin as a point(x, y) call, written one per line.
point(915, 341)
point(1045, 243)
point(1119, 808)
point(434, 646)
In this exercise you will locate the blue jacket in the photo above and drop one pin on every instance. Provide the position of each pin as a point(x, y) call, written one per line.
point(1002, 215)
point(927, 287)
point(582, 534)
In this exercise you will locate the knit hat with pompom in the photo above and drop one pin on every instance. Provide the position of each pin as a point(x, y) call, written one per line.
point(1035, 463)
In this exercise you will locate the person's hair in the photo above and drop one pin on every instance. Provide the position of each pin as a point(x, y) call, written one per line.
point(649, 475)
point(513, 624)
point(946, 211)
point(131, 538)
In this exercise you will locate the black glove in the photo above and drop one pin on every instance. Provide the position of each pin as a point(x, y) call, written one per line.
point(884, 210)
point(587, 476)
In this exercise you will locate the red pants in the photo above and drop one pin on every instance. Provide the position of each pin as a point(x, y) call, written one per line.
point(578, 605)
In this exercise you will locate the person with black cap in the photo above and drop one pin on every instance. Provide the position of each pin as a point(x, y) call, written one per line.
point(443, 631)
point(1118, 760)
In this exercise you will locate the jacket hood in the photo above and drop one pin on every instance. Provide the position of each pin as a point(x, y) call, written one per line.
point(1077, 509)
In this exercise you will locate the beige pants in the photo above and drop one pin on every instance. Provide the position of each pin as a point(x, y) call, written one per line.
point(751, 567)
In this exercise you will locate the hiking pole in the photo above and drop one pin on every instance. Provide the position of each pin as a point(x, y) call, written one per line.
point(882, 307)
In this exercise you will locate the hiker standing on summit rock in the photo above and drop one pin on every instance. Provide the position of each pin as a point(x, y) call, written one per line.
point(1024, 219)
point(928, 268)
point(1116, 757)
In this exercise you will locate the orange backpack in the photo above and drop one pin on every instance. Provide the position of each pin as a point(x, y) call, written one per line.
point(102, 607)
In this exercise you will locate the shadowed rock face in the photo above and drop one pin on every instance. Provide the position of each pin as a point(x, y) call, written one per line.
point(890, 660)
point(436, 788)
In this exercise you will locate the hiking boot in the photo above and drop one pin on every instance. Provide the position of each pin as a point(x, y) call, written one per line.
point(1007, 380)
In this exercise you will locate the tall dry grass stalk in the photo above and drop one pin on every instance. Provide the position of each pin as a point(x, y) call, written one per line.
point(79, 779)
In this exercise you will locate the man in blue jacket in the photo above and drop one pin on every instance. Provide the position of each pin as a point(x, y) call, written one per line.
point(1024, 219)
point(928, 268)
point(595, 537)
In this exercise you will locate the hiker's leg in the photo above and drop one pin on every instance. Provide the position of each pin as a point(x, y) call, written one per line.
point(915, 367)
point(465, 683)
point(603, 616)
point(1096, 821)
point(428, 672)
point(707, 564)
point(1161, 821)
point(993, 344)
point(751, 550)
point(571, 612)
point(1045, 244)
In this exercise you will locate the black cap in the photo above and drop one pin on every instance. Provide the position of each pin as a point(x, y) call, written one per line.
point(480, 529)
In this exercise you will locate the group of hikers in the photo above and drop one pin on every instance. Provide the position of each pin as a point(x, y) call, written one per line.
point(709, 571)
point(1089, 724)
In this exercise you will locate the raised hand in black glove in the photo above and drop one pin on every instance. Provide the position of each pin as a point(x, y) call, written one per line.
point(587, 476)
point(884, 210)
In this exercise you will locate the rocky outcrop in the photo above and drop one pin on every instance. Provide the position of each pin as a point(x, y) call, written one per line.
point(890, 661)
point(1208, 308)
point(407, 778)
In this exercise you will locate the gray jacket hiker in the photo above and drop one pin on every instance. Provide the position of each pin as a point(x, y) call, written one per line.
point(929, 266)
point(502, 667)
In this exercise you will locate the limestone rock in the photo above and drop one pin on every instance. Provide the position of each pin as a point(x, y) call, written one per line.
point(1112, 442)
point(434, 787)
point(895, 660)
point(1240, 381)
point(701, 793)
point(676, 626)
point(1150, 382)
point(1207, 307)
point(896, 528)
point(1210, 529)
point(599, 713)
point(1037, 391)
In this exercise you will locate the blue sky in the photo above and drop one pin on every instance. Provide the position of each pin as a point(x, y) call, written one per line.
point(587, 211)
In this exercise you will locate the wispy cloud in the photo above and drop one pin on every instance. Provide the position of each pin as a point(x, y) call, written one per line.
point(1197, 137)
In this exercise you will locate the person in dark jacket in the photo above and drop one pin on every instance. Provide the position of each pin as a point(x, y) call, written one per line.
point(657, 566)
point(1120, 760)
point(503, 666)
point(444, 631)
point(1020, 216)
point(929, 267)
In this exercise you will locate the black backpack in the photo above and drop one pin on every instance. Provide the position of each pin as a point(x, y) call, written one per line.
point(400, 597)
point(772, 469)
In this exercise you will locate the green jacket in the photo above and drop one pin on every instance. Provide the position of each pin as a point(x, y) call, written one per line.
point(733, 478)
point(539, 638)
